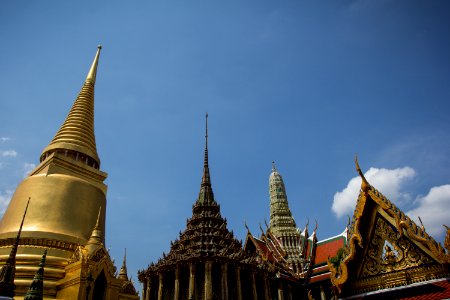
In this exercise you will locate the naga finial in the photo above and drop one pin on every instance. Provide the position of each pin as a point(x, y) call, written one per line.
point(262, 230)
point(317, 225)
point(421, 224)
point(364, 184)
point(267, 225)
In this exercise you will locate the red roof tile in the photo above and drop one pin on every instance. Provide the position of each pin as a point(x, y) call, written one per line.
point(328, 249)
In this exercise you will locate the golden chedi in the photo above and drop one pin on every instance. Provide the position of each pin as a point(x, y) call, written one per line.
point(68, 204)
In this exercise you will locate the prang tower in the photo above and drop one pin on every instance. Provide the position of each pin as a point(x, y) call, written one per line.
point(282, 224)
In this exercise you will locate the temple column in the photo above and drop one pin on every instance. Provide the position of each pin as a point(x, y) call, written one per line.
point(208, 280)
point(144, 290)
point(191, 281)
point(266, 288)
point(176, 292)
point(254, 292)
point(280, 291)
point(149, 289)
point(224, 281)
point(323, 296)
point(160, 287)
point(238, 283)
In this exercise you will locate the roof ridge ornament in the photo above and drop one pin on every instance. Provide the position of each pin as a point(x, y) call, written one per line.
point(364, 184)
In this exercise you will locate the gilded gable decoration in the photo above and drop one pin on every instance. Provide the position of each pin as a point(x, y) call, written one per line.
point(385, 248)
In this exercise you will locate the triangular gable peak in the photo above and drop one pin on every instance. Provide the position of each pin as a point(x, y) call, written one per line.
point(385, 248)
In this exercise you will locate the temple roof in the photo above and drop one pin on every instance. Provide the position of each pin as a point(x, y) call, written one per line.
point(383, 242)
point(206, 233)
point(77, 132)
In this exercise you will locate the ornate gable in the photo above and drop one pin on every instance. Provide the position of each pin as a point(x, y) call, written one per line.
point(385, 248)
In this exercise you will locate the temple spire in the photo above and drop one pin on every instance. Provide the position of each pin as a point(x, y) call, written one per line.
point(8, 271)
point(36, 289)
point(206, 193)
point(206, 180)
point(77, 132)
point(96, 238)
point(280, 215)
point(123, 270)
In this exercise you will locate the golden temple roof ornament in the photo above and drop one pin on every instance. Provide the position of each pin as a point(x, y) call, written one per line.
point(123, 270)
point(364, 184)
point(96, 238)
point(77, 132)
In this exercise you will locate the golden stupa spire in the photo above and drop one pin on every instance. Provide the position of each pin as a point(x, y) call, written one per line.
point(77, 132)
point(96, 238)
point(123, 270)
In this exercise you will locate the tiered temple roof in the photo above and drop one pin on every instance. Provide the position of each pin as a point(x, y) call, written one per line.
point(206, 233)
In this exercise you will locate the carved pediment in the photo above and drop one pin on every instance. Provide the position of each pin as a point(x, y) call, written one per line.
point(386, 252)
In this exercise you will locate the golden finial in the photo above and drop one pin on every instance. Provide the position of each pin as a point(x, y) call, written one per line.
point(96, 238)
point(206, 127)
point(245, 224)
point(364, 183)
point(265, 222)
point(262, 230)
point(421, 224)
point(93, 70)
point(123, 270)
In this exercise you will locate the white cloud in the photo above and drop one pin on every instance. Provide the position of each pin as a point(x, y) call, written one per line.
point(4, 139)
point(433, 209)
point(5, 197)
point(389, 182)
point(11, 153)
point(28, 167)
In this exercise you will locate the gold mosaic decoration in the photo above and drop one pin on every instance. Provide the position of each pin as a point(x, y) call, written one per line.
point(387, 253)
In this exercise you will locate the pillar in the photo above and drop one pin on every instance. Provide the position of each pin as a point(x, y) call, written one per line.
point(238, 283)
point(176, 293)
point(149, 289)
point(266, 288)
point(323, 296)
point(255, 293)
point(224, 281)
point(191, 281)
point(208, 280)
point(280, 291)
point(160, 288)
point(144, 290)
point(289, 292)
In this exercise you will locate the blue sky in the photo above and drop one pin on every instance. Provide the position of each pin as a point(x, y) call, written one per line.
point(306, 84)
